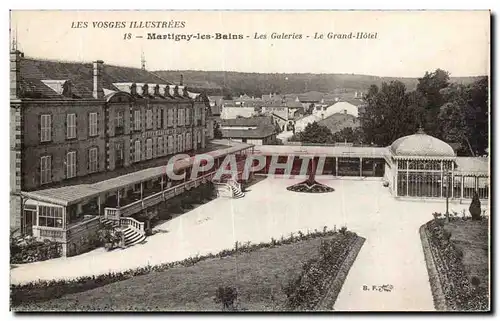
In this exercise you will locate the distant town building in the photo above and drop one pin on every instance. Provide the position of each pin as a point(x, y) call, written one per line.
point(256, 130)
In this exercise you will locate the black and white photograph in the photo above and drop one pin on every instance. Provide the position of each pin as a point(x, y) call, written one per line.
point(249, 161)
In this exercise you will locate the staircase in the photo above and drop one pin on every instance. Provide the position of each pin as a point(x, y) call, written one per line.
point(131, 235)
point(236, 188)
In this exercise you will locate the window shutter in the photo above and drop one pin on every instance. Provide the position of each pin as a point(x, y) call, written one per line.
point(88, 160)
point(132, 151)
point(132, 120)
point(97, 159)
point(76, 163)
point(51, 168)
point(143, 149)
point(154, 117)
point(66, 125)
point(39, 128)
point(76, 125)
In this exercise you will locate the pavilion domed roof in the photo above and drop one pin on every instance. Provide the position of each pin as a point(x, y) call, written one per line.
point(421, 144)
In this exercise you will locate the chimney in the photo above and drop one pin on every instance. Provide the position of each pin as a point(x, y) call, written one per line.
point(15, 59)
point(98, 92)
point(182, 80)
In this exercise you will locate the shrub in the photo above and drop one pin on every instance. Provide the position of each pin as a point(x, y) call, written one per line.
point(305, 291)
point(45, 290)
point(27, 250)
point(226, 296)
point(475, 207)
point(110, 237)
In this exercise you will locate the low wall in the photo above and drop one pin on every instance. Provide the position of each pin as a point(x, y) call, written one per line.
point(81, 238)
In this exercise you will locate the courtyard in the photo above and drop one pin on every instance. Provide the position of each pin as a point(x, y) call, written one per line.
point(388, 274)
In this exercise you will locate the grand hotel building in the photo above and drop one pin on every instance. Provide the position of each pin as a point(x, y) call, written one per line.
point(75, 125)
point(89, 142)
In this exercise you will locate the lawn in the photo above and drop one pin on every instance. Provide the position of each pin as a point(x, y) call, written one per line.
point(457, 257)
point(259, 277)
point(471, 238)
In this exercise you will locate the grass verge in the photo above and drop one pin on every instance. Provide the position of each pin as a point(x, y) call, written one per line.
point(258, 272)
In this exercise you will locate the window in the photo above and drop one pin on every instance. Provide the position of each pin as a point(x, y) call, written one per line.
point(149, 148)
point(45, 128)
point(180, 117)
point(171, 144)
point(70, 126)
point(45, 169)
point(188, 141)
point(196, 113)
point(137, 120)
point(50, 216)
point(170, 117)
point(93, 165)
point(137, 151)
point(149, 119)
point(70, 164)
point(119, 156)
point(179, 143)
point(93, 124)
point(165, 145)
point(119, 122)
point(188, 116)
point(160, 146)
point(160, 118)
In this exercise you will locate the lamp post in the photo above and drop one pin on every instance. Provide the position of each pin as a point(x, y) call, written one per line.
point(448, 175)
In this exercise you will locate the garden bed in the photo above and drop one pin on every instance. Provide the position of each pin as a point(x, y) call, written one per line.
point(456, 254)
point(259, 273)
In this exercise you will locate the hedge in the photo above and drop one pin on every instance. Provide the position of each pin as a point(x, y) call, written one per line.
point(43, 290)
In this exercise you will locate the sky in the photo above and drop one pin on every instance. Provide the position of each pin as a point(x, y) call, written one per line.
point(406, 44)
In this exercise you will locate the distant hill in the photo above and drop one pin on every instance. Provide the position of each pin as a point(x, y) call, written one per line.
point(258, 84)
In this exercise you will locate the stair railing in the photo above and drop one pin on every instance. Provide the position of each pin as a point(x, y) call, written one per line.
point(111, 213)
point(133, 223)
point(234, 184)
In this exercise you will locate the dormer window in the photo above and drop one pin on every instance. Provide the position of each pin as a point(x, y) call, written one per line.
point(133, 89)
point(145, 90)
point(67, 89)
point(157, 90)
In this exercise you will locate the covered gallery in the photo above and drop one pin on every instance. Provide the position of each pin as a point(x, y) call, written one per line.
point(418, 166)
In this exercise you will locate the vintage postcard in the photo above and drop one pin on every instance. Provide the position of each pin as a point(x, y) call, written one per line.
point(250, 161)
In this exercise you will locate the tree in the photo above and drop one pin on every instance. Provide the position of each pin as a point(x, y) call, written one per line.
point(477, 116)
point(349, 135)
point(316, 134)
point(430, 87)
point(389, 113)
point(464, 116)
